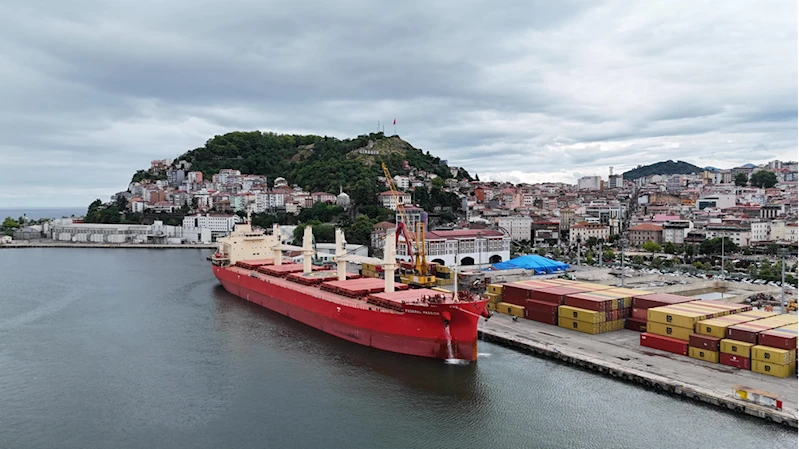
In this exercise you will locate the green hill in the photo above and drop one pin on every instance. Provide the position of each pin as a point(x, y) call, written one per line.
point(662, 168)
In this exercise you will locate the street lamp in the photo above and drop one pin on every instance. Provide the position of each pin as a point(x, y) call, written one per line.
point(782, 284)
point(623, 242)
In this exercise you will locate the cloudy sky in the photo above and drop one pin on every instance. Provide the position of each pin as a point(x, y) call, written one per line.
point(513, 90)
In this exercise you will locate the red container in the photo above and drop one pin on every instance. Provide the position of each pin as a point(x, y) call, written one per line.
point(597, 305)
point(514, 300)
point(659, 299)
point(625, 313)
point(746, 335)
point(639, 314)
point(782, 338)
point(635, 324)
point(662, 343)
point(704, 342)
point(734, 360)
point(541, 307)
point(542, 317)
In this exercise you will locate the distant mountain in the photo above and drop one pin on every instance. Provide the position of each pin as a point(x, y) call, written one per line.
point(709, 168)
point(662, 168)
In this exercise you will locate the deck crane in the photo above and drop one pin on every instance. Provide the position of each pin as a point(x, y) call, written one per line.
point(420, 277)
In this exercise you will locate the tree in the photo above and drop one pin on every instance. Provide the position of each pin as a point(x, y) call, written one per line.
point(652, 247)
point(360, 231)
point(741, 179)
point(670, 248)
point(608, 255)
point(764, 179)
point(638, 260)
point(10, 223)
point(591, 242)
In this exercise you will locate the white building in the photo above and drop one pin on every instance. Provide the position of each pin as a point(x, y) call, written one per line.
point(674, 231)
point(716, 200)
point(467, 246)
point(66, 231)
point(387, 200)
point(589, 183)
point(584, 231)
point(759, 231)
point(269, 201)
point(740, 236)
point(219, 224)
point(402, 182)
point(519, 228)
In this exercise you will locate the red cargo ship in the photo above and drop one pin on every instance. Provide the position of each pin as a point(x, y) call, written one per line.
point(369, 311)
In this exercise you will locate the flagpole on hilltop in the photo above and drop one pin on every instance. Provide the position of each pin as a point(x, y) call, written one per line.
point(395, 126)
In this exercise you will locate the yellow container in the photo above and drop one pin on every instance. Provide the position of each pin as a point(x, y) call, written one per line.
point(740, 348)
point(717, 327)
point(574, 313)
point(773, 355)
point(704, 354)
point(494, 297)
point(772, 369)
point(581, 326)
point(689, 313)
point(442, 269)
point(667, 330)
point(405, 279)
point(495, 288)
point(490, 306)
point(510, 309)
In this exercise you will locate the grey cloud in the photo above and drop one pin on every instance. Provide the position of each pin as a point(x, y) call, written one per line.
point(519, 89)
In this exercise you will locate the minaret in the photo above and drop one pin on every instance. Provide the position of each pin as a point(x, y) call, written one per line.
point(390, 260)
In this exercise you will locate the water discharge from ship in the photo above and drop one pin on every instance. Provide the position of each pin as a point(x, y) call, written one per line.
point(451, 360)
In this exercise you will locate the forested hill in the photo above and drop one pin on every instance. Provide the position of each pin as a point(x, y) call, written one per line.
point(662, 168)
point(313, 162)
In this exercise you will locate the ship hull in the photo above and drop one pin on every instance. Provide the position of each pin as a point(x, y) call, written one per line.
point(407, 333)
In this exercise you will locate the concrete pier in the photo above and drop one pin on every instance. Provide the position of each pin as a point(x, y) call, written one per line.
point(619, 355)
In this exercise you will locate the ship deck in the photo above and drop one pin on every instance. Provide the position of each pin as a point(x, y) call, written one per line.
point(315, 290)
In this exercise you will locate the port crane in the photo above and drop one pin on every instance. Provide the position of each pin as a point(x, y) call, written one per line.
point(420, 276)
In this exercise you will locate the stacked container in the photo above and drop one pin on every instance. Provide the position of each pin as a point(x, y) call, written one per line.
point(642, 303)
point(775, 353)
point(741, 338)
point(678, 321)
point(709, 334)
point(510, 309)
point(594, 312)
point(494, 295)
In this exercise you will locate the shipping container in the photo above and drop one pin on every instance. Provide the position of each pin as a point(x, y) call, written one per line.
point(717, 327)
point(492, 307)
point(734, 360)
point(634, 324)
point(494, 297)
point(541, 307)
point(689, 313)
point(581, 326)
point(703, 354)
point(495, 288)
point(510, 309)
point(773, 355)
point(666, 330)
point(705, 342)
point(739, 348)
point(658, 300)
point(772, 369)
point(639, 314)
point(588, 301)
point(781, 337)
point(749, 331)
point(575, 313)
point(662, 343)
point(542, 317)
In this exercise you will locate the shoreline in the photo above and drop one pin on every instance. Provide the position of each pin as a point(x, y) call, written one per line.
point(108, 245)
point(618, 355)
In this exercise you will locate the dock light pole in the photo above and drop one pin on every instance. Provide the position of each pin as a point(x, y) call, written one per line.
point(782, 284)
point(623, 241)
point(722, 258)
point(600, 254)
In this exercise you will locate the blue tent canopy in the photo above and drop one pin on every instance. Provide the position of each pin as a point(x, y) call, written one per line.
point(540, 264)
